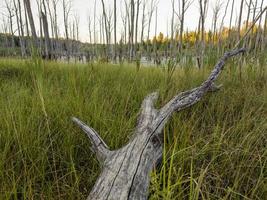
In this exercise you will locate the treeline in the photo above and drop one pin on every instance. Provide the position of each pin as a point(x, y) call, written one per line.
point(136, 40)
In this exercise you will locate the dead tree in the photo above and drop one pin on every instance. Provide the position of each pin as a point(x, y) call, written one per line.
point(27, 5)
point(183, 7)
point(126, 171)
point(203, 6)
point(240, 19)
point(11, 14)
point(21, 29)
point(216, 11)
point(46, 34)
point(115, 30)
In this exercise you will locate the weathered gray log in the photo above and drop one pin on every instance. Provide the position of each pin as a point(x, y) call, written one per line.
point(126, 171)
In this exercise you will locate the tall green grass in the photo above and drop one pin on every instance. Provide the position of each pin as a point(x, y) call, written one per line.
point(216, 149)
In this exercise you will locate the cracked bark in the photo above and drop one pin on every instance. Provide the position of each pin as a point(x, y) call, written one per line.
point(126, 171)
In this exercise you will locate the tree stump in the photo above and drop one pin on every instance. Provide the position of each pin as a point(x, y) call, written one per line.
point(126, 171)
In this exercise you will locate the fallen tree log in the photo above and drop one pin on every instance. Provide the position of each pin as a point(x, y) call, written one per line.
point(126, 171)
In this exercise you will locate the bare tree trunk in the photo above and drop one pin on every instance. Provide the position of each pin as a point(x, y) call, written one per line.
point(90, 29)
point(156, 56)
point(264, 32)
point(20, 28)
point(106, 26)
point(66, 11)
point(26, 20)
point(251, 37)
point(150, 14)
point(95, 35)
point(46, 34)
point(52, 21)
point(203, 4)
point(9, 8)
point(230, 24)
point(172, 28)
point(136, 22)
point(143, 22)
point(55, 2)
point(126, 171)
point(248, 14)
point(240, 19)
point(216, 10)
point(259, 38)
point(222, 27)
point(39, 7)
point(115, 31)
point(181, 26)
point(23, 43)
point(31, 21)
point(131, 35)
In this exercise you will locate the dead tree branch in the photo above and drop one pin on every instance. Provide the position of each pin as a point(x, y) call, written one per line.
point(126, 171)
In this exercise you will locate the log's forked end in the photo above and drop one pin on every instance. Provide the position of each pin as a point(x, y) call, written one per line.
point(98, 145)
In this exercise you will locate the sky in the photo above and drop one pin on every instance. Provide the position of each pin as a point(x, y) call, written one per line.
point(83, 8)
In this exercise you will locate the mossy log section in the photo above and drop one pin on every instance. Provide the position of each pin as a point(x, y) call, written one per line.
point(126, 171)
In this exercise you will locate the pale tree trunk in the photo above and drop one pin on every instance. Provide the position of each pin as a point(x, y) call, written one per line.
point(55, 2)
point(77, 24)
point(143, 21)
point(9, 8)
point(39, 7)
point(23, 42)
point(156, 57)
point(31, 21)
point(150, 14)
point(222, 26)
point(26, 20)
point(95, 35)
point(105, 21)
point(46, 34)
point(55, 25)
point(251, 37)
point(124, 24)
point(106, 28)
point(131, 31)
point(181, 26)
point(248, 14)
point(203, 5)
point(126, 172)
point(259, 38)
point(230, 24)
point(21, 39)
point(264, 32)
point(181, 15)
point(115, 30)
point(66, 11)
point(100, 29)
point(95, 22)
point(172, 28)
point(90, 28)
point(136, 23)
point(240, 19)
point(52, 21)
point(216, 10)
point(128, 27)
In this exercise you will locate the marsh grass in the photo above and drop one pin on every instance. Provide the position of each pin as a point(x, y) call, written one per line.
point(213, 150)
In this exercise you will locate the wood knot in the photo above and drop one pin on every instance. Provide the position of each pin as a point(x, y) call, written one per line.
point(156, 141)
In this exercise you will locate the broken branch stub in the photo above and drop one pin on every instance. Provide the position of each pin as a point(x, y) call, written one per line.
point(126, 171)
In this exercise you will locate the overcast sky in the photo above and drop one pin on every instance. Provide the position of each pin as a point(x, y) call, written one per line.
point(85, 7)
